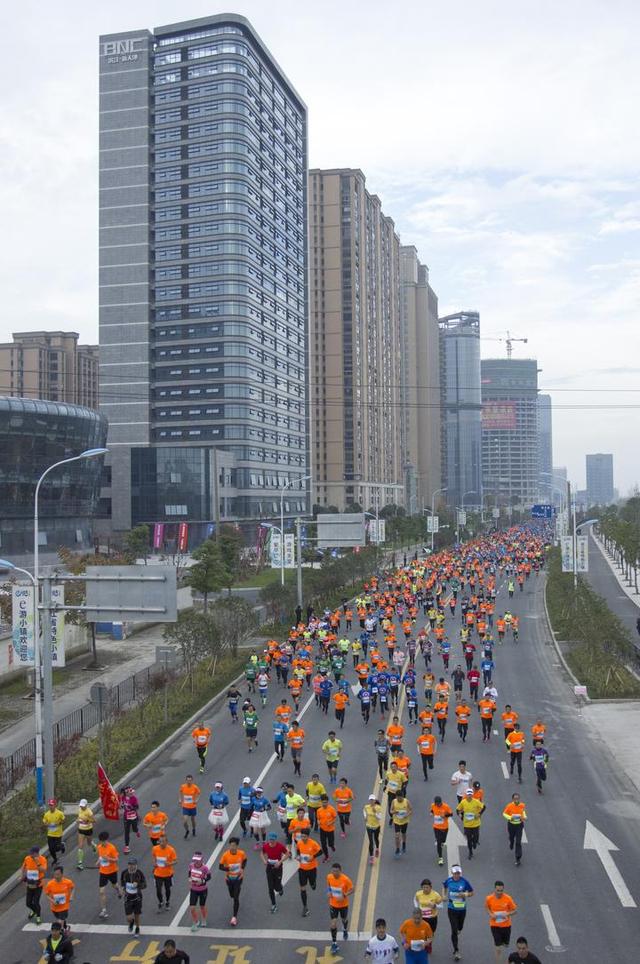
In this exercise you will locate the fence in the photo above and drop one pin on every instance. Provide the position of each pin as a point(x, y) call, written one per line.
point(19, 764)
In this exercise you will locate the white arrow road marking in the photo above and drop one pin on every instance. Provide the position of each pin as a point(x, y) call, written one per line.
point(525, 839)
point(234, 820)
point(554, 945)
point(289, 869)
point(505, 769)
point(594, 839)
point(455, 841)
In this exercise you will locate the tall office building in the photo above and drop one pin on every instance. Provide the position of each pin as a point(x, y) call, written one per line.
point(419, 382)
point(203, 302)
point(461, 408)
point(510, 448)
point(545, 448)
point(50, 365)
point(600, 479)
point(354, 342)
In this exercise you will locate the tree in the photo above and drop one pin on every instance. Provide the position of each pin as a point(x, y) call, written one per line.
point(196, 636)
point(235, 621)
point(209, 573)
point(136, 543)
point(230, 541)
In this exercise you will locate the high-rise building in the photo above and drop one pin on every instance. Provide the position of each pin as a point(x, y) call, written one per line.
point(600, 489)
point(545, 448)
point(419, 382)
point(510, 448)
point(354, 342)
point(50, 365)
point(461, 408)
point(203, 300)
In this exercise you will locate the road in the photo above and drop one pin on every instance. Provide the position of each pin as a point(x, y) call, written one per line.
point(603, 580)
point(567, 901)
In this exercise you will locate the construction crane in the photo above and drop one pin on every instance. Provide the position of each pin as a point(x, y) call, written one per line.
point(509, 340)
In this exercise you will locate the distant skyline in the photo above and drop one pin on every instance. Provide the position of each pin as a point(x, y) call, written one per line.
point(502, 139)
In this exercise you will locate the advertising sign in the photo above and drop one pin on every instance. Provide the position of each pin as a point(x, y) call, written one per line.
point(433, 523)
point(289, 550)
point(57, 626)
point(158, 535)
point(344, 529)
point(582, 553)
point(462, 517)
point(566, 551)
point(183, 536)
point(275, 549)
point(23, 629)
point(499, 416)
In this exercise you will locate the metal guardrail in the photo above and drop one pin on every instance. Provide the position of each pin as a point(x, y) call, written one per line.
point(15, 767)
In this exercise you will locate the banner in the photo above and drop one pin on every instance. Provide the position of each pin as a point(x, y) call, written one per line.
point(275, 549)
point(566, 551)
point(289, 550)
point(183, 537)
point(158, 535)
point(462, 517)
point(499, 416)
point(57, 626)
point(582, 553)
point(23, 628)
point(108, 796)
point(433, 523)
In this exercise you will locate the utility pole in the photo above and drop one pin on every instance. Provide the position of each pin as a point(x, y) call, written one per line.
point(47, 688)
point(299, 559)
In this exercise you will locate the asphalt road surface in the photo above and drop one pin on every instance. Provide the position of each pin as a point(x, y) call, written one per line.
point(572, 901)
point(602, 579)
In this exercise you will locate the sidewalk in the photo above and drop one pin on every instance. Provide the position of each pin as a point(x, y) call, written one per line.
point(609, 583)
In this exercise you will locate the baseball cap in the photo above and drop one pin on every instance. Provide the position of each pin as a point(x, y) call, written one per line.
point(272, 836)
point(52, 802)
point(218, 786)
point(197, 855)
point(83, 803)
point(469, 791)
point(456, 869)
point(372, 796)
point(246, 779)
point(259, 790)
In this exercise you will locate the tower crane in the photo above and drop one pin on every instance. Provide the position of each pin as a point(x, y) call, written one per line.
point(509, 340)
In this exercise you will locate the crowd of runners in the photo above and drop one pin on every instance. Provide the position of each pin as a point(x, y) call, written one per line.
point(388, 661)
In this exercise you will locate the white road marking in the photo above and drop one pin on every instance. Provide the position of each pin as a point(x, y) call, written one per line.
point(505, 769)
point(217, 932)
point(495, 732)
point(594, 839)
point(552, 933)
point(234, 820)
point(525, 839)
point(455, 841)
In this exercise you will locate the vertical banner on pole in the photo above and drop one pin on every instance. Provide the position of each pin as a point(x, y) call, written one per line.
point(566, 551)
point(582, 553)
point(23, 629)
point(275, 549)
point(289, 550)
point(57, 626)
point(183, 537)
point(158, 535)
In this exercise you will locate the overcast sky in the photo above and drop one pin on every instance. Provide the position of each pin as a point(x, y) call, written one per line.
point(502, 137)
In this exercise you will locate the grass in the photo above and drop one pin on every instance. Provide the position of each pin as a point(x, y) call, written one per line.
point(266, 577)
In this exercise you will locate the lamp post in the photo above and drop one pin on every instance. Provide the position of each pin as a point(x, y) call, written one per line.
point(464, 495)
point(44, 713)
point(433, 509)
point(283, 489)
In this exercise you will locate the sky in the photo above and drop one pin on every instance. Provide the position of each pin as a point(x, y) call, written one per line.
point(502, 138)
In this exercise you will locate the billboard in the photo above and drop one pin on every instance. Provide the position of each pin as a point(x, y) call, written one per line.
point(499, 416)
point(345, 529)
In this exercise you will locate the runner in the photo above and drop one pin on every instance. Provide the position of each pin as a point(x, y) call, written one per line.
point(164, 859)
point(155, 822)
point(188, 800)
point(130, 813)
point(461, 779)
point(107, 856)
point(381, 745)
point(522, 953)
point(34, 869)
point(198, 875)
point(315, 792)
point(372, 813)
point(86, 821)
point(332, 747)
point(416, 936)
point(250, 722)
point(428, 901)
point(233, 698)
point(341, 700)
point(364, 695)
point(295, 738)
point(516, 815)
point(280, 730)
point(394, 781)
point(307, 851)
point(382, 947)
point(427, 746)
point(401, 811)
point(509, 720)
point(463, 714)
point(292, 801)
point(327, 816)
point(470, 811)
point(259, 820)
point(60, 890)
point(218, 817)
point(540, 758)
point(538, 731)
point(298, 824)
point(474, 681)
point(501, 908)
point(170, 954)
point(58, 947)
point(245, 797)
point(201, 736)
point(441, 813)
point(273, 854)
point(53, 819)
point(515, 742)
point(344, 797)
point(486, 708)
point(395, 733)
point(232, 863)
point(456, 890)
point(133, 882)
point(339, 887)
point(441, 710)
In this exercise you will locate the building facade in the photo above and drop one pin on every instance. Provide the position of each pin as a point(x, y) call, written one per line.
point(419, 382)
point(35, 434)
point(510, 444)
point(600, 489)
point(203, 287)
point(354, 343)
point(461, 404)
point(545, 449)
point(50, 365)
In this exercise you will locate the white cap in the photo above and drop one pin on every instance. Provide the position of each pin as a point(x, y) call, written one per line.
point(259, 790)
point(372, 796)
point(456, 869)
point(246, 779)
point(218, 785)
point(83, 803)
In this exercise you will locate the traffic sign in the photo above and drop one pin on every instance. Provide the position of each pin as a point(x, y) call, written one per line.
point(542, 511)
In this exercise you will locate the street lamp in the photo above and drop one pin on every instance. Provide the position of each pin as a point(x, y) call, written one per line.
point(464, 495)
point(282, 492)
point(44, 658)
point(433, 509)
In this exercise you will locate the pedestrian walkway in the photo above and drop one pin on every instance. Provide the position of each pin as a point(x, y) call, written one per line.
point(606, 581)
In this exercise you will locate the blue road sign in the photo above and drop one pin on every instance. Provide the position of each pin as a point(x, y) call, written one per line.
point(542, 511)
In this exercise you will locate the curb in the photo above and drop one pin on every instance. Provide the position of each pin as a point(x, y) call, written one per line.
point(567, 669)
point(16, 879)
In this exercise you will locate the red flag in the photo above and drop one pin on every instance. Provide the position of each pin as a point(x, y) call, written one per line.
point(108, 796)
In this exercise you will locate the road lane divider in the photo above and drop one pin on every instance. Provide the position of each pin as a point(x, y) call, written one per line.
point(555, 945)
